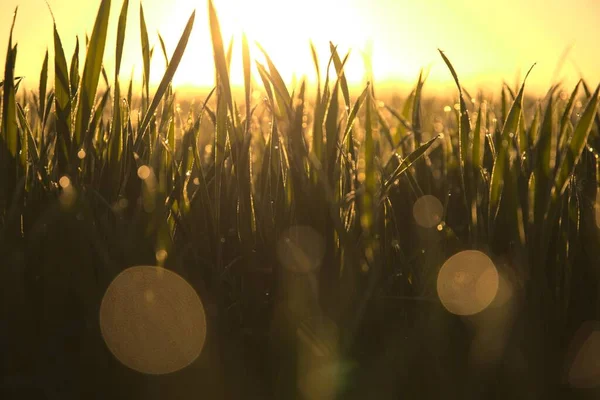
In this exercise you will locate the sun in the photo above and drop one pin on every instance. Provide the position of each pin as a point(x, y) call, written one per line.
point(283, 28)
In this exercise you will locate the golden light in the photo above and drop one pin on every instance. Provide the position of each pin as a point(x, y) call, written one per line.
point(428, 211)
point(152, 320)
point(64, 182)
point(583, 368)
point(144, 172)
point(301, 249)
point(597, 209)
point(467, 283)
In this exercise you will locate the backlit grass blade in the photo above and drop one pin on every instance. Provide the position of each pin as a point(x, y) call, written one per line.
point(544, 160)
point(464, 152)
point(337, 63)
point(315, 58)
point(9, 104)
point(163, 49)
point(575, 147)
point(145, 54)
point(502, 156)
point(42, 88)
point(353, 113)
point(407, 163)
point(278, 83)
point(566, 117)
point(219, 56)
point(115, 145)
point(416, 111)
point(121, 28)
point(74, 71)
point(62, 103)
point(478, 138)
point(91, 72)
point(367, 217)
point(166, 80)
point(247, 78)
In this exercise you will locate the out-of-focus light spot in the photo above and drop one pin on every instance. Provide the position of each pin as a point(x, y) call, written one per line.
point(505, 291)
point(440, 227)
point(301, 249)
point(583, 363)
point(196, 181)
point(597, 209)
point(81, 154)
point(467, 283)
point(161, 256)
point(428, 211)
point(320, 371)
point(447, 109)
point(144, 172)
point(64, 182)
point(152, 320)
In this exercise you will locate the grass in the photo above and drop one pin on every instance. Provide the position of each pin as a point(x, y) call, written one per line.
point(226, 181)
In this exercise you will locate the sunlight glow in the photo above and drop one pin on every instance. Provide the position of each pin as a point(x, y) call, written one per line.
point(399, 36)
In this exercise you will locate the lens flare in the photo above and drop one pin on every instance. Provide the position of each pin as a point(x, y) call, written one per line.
point(467, 283)
point(152, 320)
point(428, 211)
point(301, 249)
point(584, 368)
point(144, 172)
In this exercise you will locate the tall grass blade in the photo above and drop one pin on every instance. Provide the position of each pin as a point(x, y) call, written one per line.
point(91, 72)
point(74, 71)
point(165, 81)
point(502, 157)
point(42, 87)
point(223, 84)
point(575, 146)
point(145, 55)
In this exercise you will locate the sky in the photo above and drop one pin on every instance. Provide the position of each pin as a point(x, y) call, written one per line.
point(488, 42)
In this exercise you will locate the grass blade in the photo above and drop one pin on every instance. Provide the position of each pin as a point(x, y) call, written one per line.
point(166, 80)
point(91, 72)
point(502, 158)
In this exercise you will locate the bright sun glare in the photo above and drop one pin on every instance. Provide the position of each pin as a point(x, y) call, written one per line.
point(280, 27)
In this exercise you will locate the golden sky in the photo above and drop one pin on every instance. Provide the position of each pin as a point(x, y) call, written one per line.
point(488, 42)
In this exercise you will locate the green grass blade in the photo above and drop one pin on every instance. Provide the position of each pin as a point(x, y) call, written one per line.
point(247, 78)
point(315, 58)
point(74, 71)
point(9, 109)
point(121, 28)
point(91, 72)
point(408, 162)
point(478, 138)
point(166, 80)
point(339, 68)
point(62, 102)
point(163, 48)
point(280, 89)
point(219, 56)
point(42, 87)
point(145, 54)
point(502, 158)
point(575, 147)
point(566, 117)
point(544, 162)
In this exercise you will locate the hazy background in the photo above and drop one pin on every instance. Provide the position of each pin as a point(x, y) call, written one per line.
point(488, 42)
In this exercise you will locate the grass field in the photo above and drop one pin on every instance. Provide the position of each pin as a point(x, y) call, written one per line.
point(313, 229)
